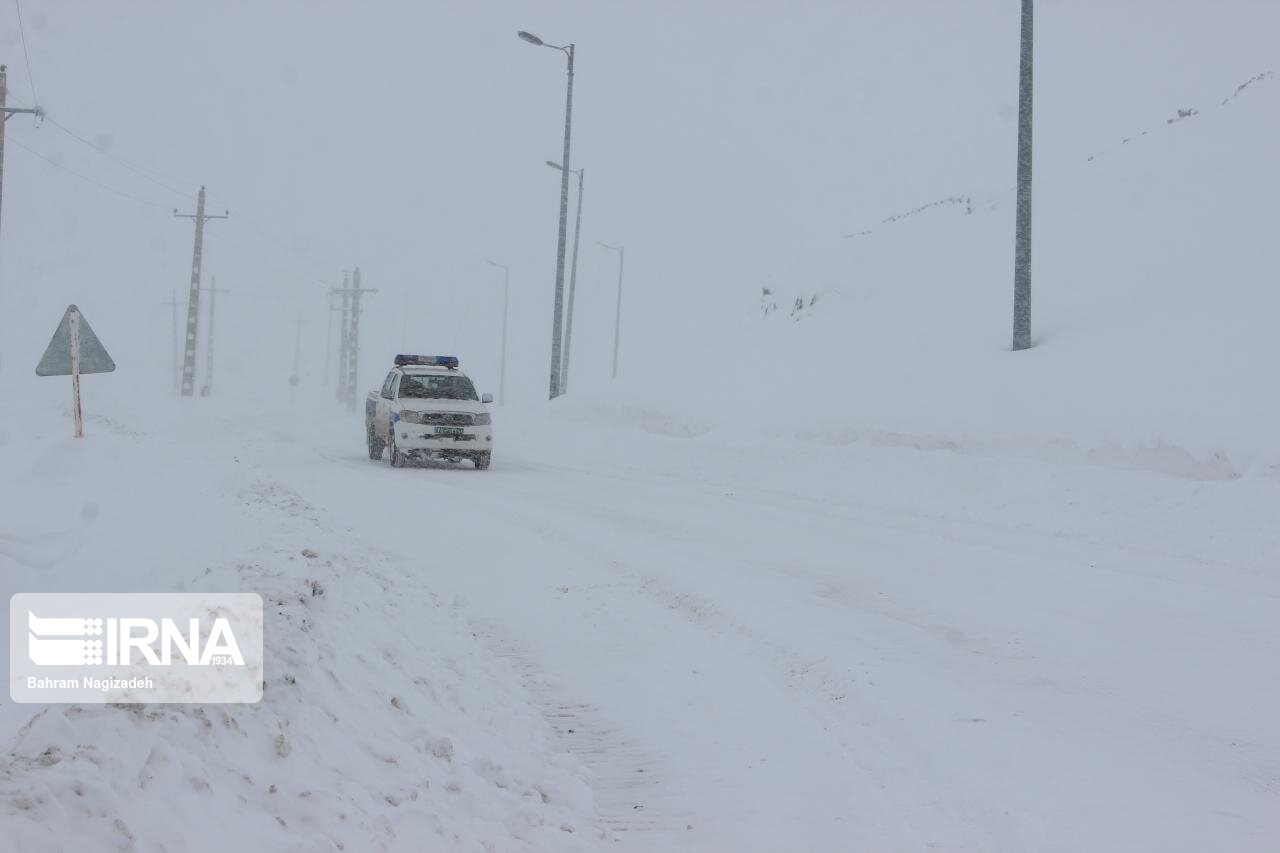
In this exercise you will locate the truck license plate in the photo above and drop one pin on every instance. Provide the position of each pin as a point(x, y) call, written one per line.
point(448, 430)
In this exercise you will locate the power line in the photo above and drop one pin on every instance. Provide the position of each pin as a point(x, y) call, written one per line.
point(155, 176)
point(131, 166)
point(31, 81)
point(279, 245)
point(164, 181)
point(84, 177)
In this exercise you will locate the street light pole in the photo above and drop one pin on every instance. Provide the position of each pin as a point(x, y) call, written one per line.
point(617, 317)
point(573, 282)
point(506, 293)
point(1022, 237)
point(558, 311)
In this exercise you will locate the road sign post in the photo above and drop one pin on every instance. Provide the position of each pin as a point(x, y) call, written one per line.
point(74, 349)
point(73, 318)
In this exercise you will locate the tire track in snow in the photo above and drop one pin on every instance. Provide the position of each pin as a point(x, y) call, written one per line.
point(629, 774)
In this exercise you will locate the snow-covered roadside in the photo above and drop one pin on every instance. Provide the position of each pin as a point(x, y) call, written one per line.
point(749, 645)
point(799, 646)
point(1153, 454)
point(385, 724)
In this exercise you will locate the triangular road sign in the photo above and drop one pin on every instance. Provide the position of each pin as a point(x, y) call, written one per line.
point(57, 358)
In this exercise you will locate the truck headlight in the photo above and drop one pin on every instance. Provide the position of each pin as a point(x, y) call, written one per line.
point(411, 417)
point(482, 419)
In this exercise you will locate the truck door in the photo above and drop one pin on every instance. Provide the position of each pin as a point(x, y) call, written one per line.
point(381, 415)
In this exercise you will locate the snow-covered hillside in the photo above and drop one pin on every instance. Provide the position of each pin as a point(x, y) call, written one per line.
point(1155, 294)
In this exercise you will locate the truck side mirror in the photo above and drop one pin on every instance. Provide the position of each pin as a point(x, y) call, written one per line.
point(486, 398)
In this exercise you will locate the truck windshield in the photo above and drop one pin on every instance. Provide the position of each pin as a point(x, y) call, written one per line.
point(437, 388)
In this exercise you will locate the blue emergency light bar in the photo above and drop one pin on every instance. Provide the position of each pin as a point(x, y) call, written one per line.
point(428, 360)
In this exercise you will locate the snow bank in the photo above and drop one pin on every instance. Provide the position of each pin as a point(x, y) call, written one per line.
point(384, 726)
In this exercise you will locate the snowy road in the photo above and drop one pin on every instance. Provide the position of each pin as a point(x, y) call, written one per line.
point(795, 647)
point(739, 644)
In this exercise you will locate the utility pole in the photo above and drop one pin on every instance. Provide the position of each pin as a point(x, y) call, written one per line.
point(177, 364)
point(213, 292)
point(617, 317)
point(193, 301)
point(506, 294)
point(349, 372)
point(1022, 237)
point(5, 113)
point(573, 281)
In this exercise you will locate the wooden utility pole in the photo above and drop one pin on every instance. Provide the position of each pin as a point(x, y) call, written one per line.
point(193, 300)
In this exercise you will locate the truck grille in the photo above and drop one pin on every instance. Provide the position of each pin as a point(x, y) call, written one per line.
point(446, 418)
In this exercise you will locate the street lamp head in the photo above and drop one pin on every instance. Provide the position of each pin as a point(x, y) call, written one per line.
point(530, 38)
point(555, 165)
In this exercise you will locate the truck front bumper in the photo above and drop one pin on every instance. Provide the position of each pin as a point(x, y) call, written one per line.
point(424, 440)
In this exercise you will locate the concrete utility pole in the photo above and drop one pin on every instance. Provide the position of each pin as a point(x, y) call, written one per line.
point(173, 304)
point(506, 300)
point(213, 292)
point(1022, 237)
point(617, 317)
point(5, 113)
point(558, 313)
point(349, 370)
point(193, 300)
point(573, 281)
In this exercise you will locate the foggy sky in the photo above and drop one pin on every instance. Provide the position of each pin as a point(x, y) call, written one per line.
point(728, 145)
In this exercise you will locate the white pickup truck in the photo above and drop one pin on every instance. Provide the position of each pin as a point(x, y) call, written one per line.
point(428, 408)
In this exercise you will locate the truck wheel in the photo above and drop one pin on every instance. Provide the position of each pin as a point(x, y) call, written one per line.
point(482, 460)
point(375, 445)
point(394, 456)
